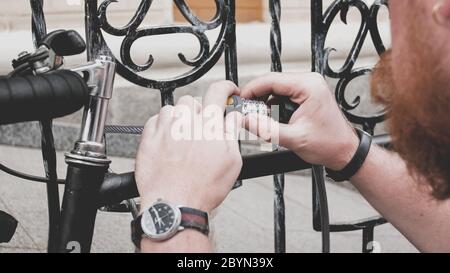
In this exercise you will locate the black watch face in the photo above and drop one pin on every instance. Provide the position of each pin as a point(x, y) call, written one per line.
point(161, 220)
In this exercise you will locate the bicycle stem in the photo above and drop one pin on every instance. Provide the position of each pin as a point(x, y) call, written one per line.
point(100, 79)
point(87, 162)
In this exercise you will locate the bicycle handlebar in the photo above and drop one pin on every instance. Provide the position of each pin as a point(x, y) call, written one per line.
point(119, 187)
point(46, 96)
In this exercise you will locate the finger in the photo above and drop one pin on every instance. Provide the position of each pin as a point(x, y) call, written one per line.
point(150, 126)
point(267, 128)
point(190, 102)
point(165, 116)
point(234, 122)
point(255, 124)
point(296, 86)
point(218, 94)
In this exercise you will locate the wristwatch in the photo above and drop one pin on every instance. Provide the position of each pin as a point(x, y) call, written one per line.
point(163, 220)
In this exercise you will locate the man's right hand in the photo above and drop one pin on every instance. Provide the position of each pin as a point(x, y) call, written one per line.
point(318, 132)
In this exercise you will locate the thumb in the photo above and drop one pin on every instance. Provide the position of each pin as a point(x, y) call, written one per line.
point(267, 128)
point(233, 125)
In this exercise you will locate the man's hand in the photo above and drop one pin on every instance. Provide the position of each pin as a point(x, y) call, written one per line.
point(317, 132)
point(189, 154)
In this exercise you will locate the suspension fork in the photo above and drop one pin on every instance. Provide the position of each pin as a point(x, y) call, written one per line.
point(87, 162)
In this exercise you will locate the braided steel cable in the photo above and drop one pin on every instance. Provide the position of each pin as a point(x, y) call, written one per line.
point(124, 129)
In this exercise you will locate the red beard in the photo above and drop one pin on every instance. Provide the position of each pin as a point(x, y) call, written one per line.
point(418, 117)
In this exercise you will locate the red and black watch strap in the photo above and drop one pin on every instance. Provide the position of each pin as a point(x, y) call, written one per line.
point(136, 231)
point(195, 219)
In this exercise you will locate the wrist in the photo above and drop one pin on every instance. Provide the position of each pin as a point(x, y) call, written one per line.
point(188, 241)
point(155, 227)
point(358, 159)
point(184, 200)
point(345, 152)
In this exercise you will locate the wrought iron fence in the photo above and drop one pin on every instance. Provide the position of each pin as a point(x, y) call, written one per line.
point(96, 24)
point(321, 21)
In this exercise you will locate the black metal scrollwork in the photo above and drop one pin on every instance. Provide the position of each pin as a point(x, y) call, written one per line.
point(347, 72)
point(205, 59)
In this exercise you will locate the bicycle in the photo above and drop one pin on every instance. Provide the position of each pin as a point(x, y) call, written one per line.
point(35, 85)
point(88, 179)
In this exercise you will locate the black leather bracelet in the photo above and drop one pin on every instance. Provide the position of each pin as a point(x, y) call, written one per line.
point(365, 141)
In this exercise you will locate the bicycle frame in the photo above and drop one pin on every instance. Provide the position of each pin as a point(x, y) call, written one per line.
point(87, 162)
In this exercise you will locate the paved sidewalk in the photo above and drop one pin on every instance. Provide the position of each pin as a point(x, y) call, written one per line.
point(243, 224)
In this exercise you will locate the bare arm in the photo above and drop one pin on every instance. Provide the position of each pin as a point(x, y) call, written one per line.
point(408, 205)
point(319, 134)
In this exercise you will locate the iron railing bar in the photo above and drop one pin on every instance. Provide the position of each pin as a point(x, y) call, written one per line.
point(357, 225)
point(231, 63)
point(39, 30)
point(278, 179)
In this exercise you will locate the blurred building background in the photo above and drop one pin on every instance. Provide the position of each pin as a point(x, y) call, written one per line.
point(131, 104)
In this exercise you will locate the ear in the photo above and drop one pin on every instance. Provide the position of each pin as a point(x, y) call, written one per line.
point(441, 12)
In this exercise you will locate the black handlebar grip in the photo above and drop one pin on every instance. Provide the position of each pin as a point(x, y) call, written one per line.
point(41, 97)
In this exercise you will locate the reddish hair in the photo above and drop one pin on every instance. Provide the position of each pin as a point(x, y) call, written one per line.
point(419, 119)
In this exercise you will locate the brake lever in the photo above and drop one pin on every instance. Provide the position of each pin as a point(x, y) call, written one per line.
point(64, 42)
point(50, 53)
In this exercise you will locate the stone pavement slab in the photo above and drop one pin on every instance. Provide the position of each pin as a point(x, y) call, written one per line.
point(244, 223)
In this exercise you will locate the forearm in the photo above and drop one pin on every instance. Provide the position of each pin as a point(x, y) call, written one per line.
point(185, 241)
point(406, 203)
